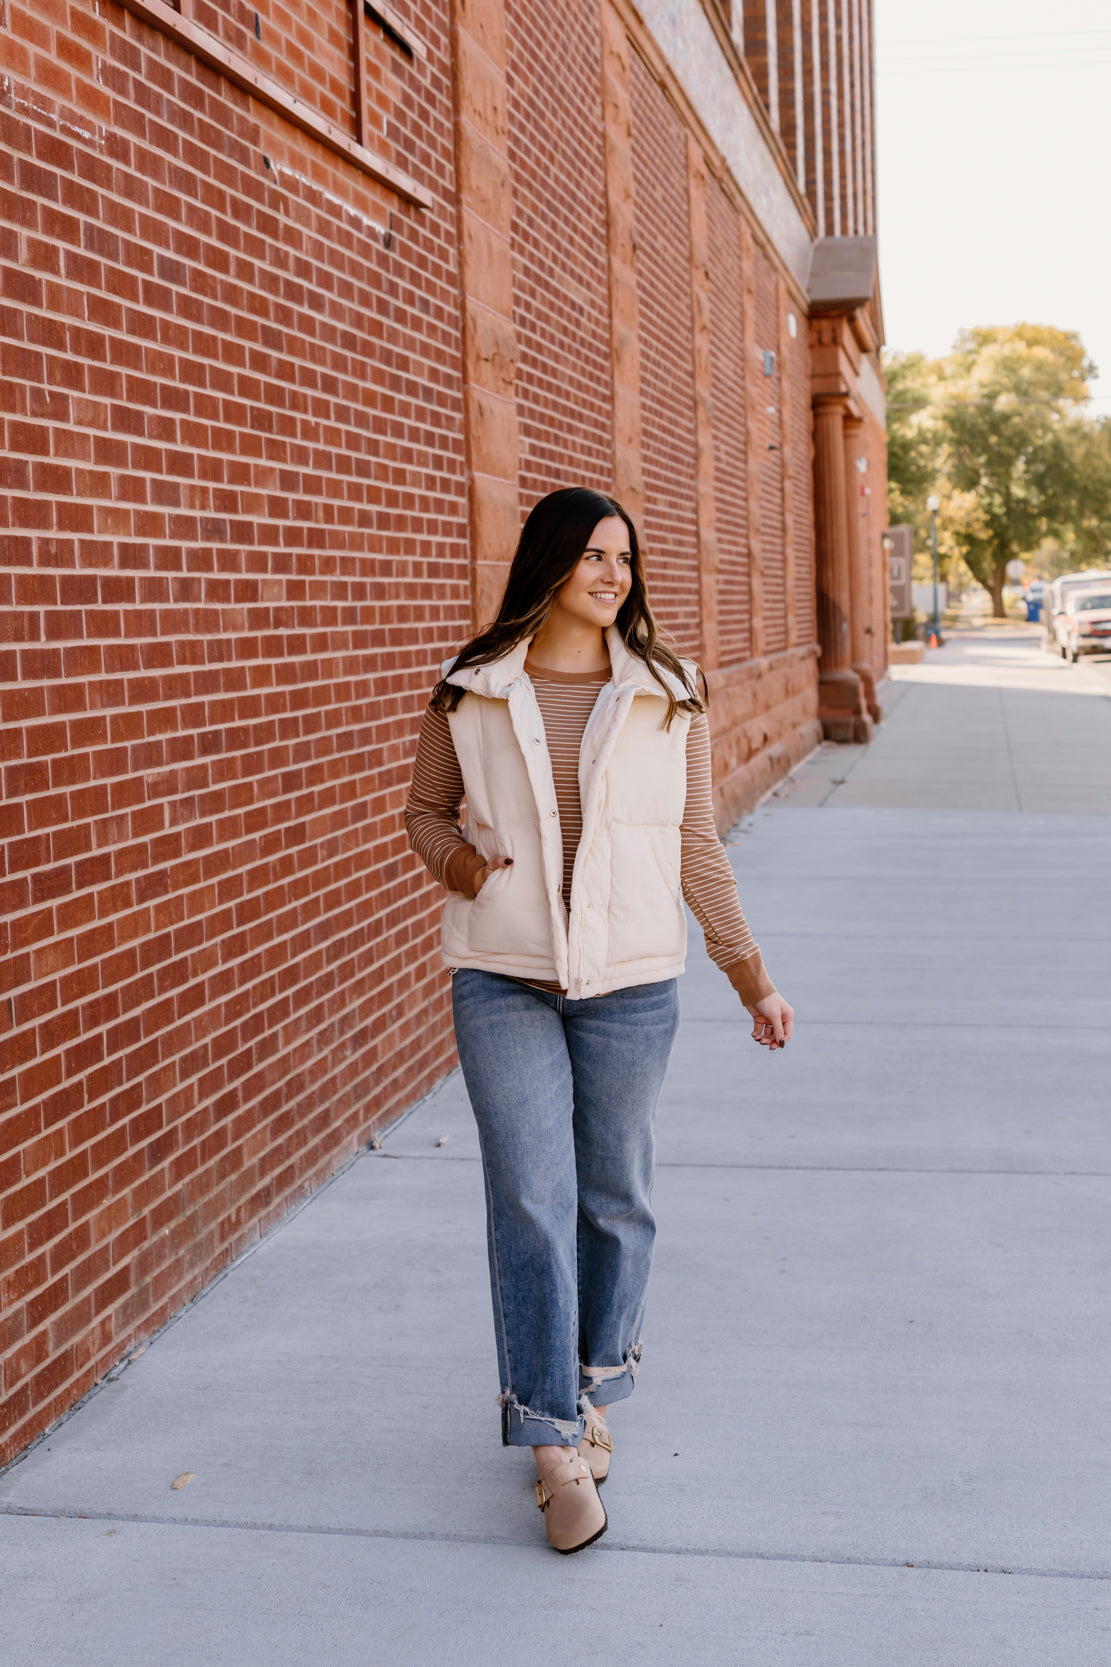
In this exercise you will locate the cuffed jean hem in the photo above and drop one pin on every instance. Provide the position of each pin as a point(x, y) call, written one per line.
point(522, 1427)
point(603, 1392)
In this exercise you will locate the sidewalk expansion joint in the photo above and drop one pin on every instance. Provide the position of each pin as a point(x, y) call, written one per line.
point(808, 1168)
point(1025, 1026)
point(726, 1553)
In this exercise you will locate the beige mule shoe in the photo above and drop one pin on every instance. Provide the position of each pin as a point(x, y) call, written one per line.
point(573, 1514)
point(596, 1447)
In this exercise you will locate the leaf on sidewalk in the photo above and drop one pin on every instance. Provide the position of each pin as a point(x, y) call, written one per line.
point(443, 1140)
point(183, 1480)
point(376, 1143)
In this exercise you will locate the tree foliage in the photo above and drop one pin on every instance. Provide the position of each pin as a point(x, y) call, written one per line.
point(999, 432)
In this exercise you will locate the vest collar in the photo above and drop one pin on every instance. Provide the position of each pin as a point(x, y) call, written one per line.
point(496, 679)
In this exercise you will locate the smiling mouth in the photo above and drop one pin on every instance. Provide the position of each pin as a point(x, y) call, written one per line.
point(604, 595)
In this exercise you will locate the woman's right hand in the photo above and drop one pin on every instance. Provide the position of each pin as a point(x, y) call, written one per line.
point(488, 868)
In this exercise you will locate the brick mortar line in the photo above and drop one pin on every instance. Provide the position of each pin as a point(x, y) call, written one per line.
point(266, 460)
point(226, 844)
point(347, 837)
point(114, 334)
point(364, 992)
point(341, 808)
point(53, 117)
point(408, 1536)
point(277, 257)
point(237, 990)
point(181, 668)
point(222, 967)
point(93, 749)
point(364, 383)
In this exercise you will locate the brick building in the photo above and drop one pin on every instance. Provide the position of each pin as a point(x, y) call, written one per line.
point(302, 308)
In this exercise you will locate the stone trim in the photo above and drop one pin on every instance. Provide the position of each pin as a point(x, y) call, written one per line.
point(703, 401)
point(485, 210)
point(617, 116)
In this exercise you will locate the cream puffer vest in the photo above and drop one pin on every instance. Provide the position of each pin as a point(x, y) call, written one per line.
point(626, 924)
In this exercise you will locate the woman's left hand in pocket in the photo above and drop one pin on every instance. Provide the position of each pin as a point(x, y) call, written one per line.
point(488, 868)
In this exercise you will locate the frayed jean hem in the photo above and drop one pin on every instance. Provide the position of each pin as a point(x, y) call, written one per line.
point(522, 1427)
point(606, 1392)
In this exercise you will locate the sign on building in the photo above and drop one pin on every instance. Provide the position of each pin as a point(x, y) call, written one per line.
point(900, 550)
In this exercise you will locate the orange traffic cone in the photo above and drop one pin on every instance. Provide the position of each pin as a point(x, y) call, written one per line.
point(933, 639)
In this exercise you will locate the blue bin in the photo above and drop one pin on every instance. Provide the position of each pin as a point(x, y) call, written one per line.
point(1033, 610)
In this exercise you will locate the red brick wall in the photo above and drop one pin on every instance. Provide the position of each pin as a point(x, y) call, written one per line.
point(306, 45)
point(730, 468)
point(235, 486)
point(666, 360)
point(756, 44)
point(235, 523)
point(560, 294)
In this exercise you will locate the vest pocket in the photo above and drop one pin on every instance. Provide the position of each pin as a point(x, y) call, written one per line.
point(646, 907)
point(503, 919)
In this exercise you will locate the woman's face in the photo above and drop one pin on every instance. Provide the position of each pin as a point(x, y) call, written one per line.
point(594, 593)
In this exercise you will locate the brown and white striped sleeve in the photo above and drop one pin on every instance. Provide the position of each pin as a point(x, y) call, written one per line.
point(709, 884)
point(432, 810)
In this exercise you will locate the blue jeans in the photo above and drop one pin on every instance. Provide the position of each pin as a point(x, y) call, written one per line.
point(564, 1094)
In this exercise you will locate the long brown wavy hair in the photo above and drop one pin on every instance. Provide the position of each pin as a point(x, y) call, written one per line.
point(550, 547)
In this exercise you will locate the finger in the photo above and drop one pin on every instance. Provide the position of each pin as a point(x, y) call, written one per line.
point(788, 1023)
point(776, 1023)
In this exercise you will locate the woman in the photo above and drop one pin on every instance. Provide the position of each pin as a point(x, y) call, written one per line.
point(581, 746)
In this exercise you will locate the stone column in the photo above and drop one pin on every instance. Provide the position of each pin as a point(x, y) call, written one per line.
point(617, 116)
point(860, 611)
point(841, 705)
point(703, 402)
point(486, 283)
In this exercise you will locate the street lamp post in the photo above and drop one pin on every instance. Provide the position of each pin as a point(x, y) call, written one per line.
point(933, 504)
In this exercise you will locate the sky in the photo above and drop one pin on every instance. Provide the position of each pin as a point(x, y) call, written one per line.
point(993, 152)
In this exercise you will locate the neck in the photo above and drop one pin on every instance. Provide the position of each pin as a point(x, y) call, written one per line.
point(569, 645)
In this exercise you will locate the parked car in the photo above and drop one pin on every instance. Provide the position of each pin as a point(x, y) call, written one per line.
point(1086, 622)
point(1059, 590)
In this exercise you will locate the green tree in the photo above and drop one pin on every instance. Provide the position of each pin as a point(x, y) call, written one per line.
point(998, 431)
point(914, 440)
point(1013, 442)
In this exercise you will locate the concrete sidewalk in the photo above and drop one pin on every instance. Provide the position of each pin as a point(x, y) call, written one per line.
point(871, 1425)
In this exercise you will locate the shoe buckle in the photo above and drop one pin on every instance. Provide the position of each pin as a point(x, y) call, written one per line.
point(543, 1494)
point(600, 1437)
